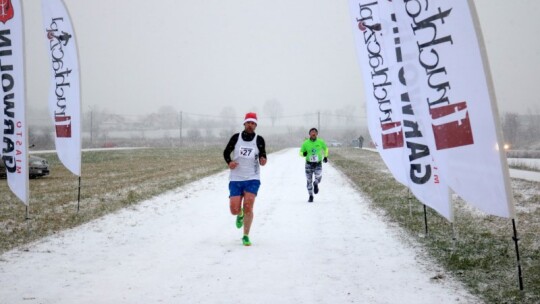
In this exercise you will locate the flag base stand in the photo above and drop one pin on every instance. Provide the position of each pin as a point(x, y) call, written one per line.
point(79, 196)
point(425, 221)
point(516, 239)
point(410, 204)
point(27, 215)
point(453, 237)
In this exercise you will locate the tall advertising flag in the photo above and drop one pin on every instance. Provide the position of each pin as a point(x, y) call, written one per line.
point(454, 100)
point(64, 93)
point(391, 120)
point(14, 127)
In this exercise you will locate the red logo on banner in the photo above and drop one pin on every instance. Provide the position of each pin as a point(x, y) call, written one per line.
point(63, 126)
point(392, 135)
point(452, 126)
point(362, 26)
point(6, 10)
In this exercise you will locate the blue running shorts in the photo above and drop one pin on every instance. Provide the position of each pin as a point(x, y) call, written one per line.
point(237, 188)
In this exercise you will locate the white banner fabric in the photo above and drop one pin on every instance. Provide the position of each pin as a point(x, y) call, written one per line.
point(14, 125)
point(391, 119)
point(453, 99)
point(64, 93)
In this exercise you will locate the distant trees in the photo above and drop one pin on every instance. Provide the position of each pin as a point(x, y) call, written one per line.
point(41, 137)
point(167, 117)
point(510, 128)
point(194, 135)
point(230, 122)
point(533, 126)
point(167, 126)
point(346, 114)
point(521, 131)
point(273, 109)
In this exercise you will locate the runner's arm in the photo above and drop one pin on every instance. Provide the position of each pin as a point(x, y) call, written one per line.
point(325, 148)
point(303, 150)
point(230, 148)
point(262, 146)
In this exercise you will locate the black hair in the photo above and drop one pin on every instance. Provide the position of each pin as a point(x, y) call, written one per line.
point(313, 129)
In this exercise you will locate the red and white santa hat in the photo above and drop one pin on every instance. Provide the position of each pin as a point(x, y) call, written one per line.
point(251, 116)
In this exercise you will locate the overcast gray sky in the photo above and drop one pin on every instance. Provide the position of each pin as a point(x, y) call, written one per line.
point(200, 56)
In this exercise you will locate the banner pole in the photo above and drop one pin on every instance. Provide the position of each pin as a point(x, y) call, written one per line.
point(410, 205)
point(516, 239)
point(425, 220)
point(27, 216)
point(453, 219)
point(499, 135)
point(79, 196)
point(453, 237)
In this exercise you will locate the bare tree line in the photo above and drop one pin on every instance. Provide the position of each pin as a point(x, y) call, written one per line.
point(100, 126)
point(170, 127)
point(521, 131)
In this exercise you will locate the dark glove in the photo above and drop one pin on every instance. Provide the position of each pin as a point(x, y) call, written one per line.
point(325, 160)
point(305, 153)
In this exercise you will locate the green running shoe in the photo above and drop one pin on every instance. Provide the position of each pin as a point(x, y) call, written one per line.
point(245, 241)
point(240, 219)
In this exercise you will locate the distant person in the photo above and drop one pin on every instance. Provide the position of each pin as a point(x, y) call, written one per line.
point(360, 141)
point(249, 152)
point(315, 151)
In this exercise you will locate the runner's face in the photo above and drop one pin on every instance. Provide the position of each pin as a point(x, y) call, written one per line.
point(313, 134)
point(250, 126)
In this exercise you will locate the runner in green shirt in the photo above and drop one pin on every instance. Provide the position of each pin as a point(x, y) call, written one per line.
point(315, 151)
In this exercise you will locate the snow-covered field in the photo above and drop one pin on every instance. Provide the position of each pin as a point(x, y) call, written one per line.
point(525, 174)
point(183, 247)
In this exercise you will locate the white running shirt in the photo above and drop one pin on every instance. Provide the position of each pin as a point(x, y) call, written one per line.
point(246, 154)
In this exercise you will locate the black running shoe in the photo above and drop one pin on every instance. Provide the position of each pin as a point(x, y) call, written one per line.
point(315, 188)
point(310, 200)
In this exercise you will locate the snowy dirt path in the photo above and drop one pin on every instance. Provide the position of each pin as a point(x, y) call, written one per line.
point(183, 247)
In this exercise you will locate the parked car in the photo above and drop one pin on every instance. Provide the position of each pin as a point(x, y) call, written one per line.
point(39, 167)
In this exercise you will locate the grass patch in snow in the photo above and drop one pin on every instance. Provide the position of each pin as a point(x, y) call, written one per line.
point(482, 256)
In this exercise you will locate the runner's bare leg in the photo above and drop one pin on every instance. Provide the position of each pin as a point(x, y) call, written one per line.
point(249, 201)
point(235, 204)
